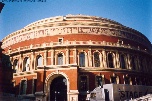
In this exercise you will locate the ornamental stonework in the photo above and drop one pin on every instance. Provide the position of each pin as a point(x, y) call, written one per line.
point(71, 30)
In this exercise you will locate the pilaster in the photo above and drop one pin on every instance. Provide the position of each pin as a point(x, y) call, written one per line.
point(90, 58)
point(117, 60)
point(128, 61)
point(67, 56)
point(52, 57)
point(75, 56)
point(45, 57)
point(86, 59)
point(32, 65)
point(20, 63)
point(104, 59)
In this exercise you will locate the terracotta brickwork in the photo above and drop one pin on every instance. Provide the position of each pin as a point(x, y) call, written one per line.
point(80, 49)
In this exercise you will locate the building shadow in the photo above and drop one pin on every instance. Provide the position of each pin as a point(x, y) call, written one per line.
point(6, 76)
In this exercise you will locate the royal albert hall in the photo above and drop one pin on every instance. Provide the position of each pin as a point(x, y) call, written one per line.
point(63, 58)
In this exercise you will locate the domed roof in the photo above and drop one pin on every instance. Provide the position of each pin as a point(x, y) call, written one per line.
point(87, 24)
point(70, 17)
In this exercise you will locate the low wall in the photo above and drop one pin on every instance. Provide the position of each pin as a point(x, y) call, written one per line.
point(118, 92)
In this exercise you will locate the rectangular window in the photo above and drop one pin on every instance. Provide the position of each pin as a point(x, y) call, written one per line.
point(23, 87)
point(113, 80)
point(120, 41)
point(34, 83)
point(127, 80)
point(60, 59)
point(39, 60)
point(83, 83)
point(60, 40)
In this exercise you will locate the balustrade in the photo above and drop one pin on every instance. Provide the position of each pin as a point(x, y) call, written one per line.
point(75, 43)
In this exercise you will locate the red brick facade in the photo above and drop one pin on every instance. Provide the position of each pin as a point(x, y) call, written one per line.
point(80, 49)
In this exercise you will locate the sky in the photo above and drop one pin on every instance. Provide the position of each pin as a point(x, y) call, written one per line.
point(136, 14)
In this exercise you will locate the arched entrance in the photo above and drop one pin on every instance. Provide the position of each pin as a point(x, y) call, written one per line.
point(58, 89)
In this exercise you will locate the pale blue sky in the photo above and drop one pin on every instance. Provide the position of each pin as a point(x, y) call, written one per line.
point(136, 14)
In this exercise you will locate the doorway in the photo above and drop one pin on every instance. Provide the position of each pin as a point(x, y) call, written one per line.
point(58, 89)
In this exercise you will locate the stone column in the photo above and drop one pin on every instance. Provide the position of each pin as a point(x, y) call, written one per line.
point(101, 60)
point(75, 56)
point(52, 57)
point(90, 58)
point(104, 59)
point(20, 63)
point(117, 60)
point(32, 67)
point(128, 61)
point(86, 59)
point(67, 56)
point(45, 57)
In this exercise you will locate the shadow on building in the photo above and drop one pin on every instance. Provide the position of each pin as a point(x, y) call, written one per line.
point(6, 77)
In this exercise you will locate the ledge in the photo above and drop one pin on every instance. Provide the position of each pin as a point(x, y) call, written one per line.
point(74, 43)
point(23, 73)
point(86, 69)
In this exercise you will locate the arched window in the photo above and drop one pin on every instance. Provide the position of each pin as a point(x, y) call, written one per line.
point(15, 65)
point(82, 59)
point(96, 59)
point(26, 64)
point(39, 60)
point(122, 62)
point(60, 59)
point(23, 87)
point(110, 60)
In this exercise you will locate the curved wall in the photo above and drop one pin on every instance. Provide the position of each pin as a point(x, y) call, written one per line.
point(99, 47)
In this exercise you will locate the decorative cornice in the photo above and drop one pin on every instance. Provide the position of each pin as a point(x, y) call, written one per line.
point(72, 44)
point(74, 30)
point(119, 70)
